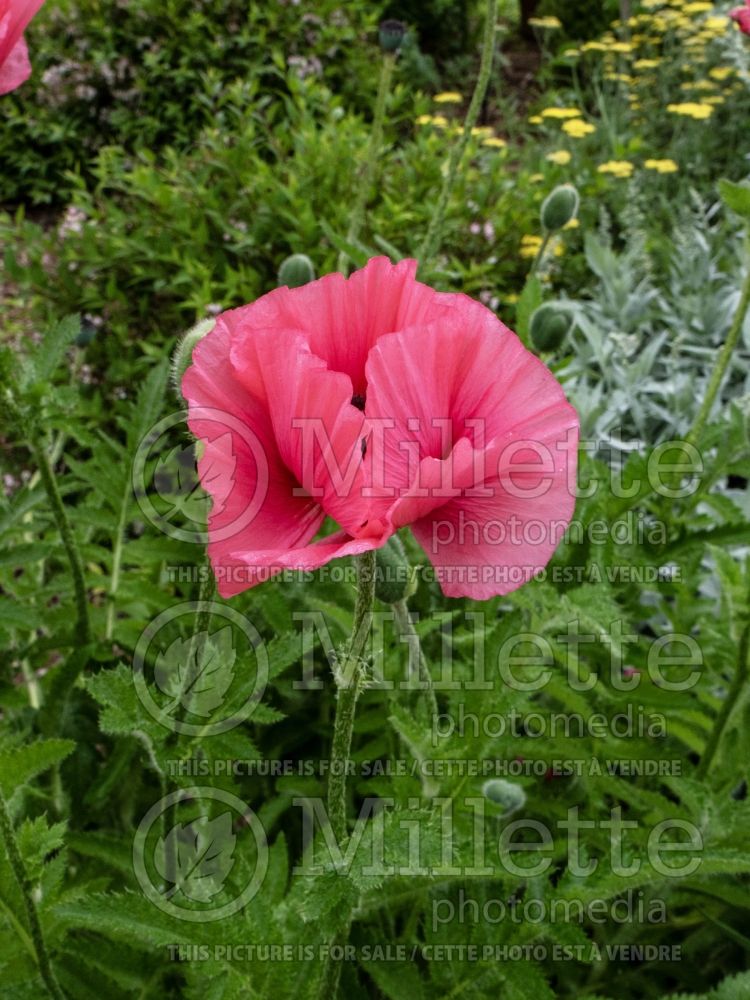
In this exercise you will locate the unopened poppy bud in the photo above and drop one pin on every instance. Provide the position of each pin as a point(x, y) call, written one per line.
point(391, 35)
point(559, 208)
point(183, 353)
point(394, 579)
point(296, 270)
point(504, 793)
point(549, 327)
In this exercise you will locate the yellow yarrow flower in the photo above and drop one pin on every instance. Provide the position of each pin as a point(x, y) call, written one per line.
point(618, 168)
point(494, 142)
point(662, 166)
point(561, 113)
point(691, 109)
point(530, 246)
point(550, 23)
point(424, 120)
point(448, 97)
point(560, 156)
point(721, 73)
point(536, 120)
point(577, 128)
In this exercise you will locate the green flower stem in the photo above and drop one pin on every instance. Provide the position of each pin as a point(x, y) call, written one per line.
point(349, 680)
point(49, 482)
point(722, 363)
point(367, 170)
point(406, 628)
point(733, 695)
point(433, 238)
point(24, 884)
point(540, 255)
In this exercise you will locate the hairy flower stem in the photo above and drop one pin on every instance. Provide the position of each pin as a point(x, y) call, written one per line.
point(733, 694)
point(368, 168)
point(24, 884)
point(49, 482)
point(433, 237)
point(722, 363)
point(540, 255)
point(349, 680)
point(407, 631)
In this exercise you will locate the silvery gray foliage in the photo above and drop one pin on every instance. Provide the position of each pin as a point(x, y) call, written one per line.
point(643, 347)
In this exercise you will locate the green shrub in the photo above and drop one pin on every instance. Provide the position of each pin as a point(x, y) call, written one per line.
point(155, 73)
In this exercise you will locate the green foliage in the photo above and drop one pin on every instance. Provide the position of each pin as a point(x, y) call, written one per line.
point(155, 73)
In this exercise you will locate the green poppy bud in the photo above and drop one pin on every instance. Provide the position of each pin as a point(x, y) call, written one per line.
point(183, 353)
point(296, 270)
point(504, 793)
point(394, 578)
point(559, 208)
point(549, 326)
point(391, 35)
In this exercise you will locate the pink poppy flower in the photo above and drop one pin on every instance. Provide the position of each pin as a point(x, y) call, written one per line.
point(323, 400)
point(483, 450)
point(742, 16)
point(15, 67)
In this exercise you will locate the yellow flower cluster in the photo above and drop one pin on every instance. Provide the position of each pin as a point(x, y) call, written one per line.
point(577, 128)
point(448, 97)
point(662, 166)
point(617, 168)
point(549, 23)
point(561, 113)
point(561, 157)
point(692, 109)
point(530, 246)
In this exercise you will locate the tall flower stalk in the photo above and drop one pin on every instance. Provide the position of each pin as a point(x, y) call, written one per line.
point(369, 165)
point(349, 682)
point(722, 362)
point(433, 237)
point(24, 884)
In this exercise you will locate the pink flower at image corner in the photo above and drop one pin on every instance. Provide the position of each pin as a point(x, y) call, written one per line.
point(15, 67)
point(742, 16)
point(380, 403)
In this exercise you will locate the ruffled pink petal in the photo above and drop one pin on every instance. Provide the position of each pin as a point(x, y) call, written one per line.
point(16, 69)
point(320, 434)
point(256, 502)
point(483, 547)
point(342, 318)
point(251, 568)
point(14, 18)
point(742, 16)
point(491, 438)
